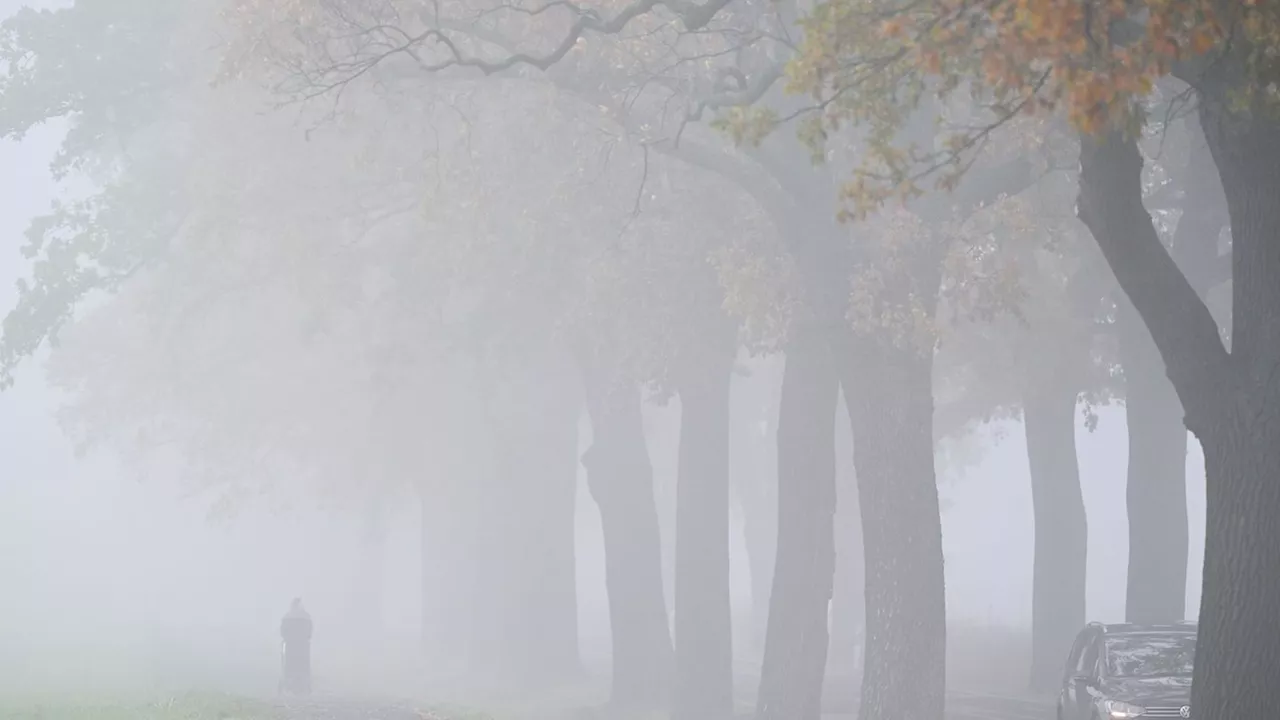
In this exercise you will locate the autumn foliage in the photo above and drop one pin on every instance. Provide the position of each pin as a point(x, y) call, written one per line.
point(876, 64)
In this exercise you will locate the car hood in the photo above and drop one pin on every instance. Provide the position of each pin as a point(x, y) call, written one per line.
point(1173, 690)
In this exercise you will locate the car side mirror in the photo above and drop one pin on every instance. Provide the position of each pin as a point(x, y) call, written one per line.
point(1086, 680)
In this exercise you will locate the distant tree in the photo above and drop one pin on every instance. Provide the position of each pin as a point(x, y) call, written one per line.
point(1036, 345)
point(804, 210)
point(515, 304)
point(879, 373)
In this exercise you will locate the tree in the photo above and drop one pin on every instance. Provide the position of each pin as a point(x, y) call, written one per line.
point(1091, 64)
point(97, 242)
point(621, 480)
point(803, 581)
point(1036, 350)
point(756, 387)
point(807, 197)
point(484, 270)
point(1094, 64)
point(1189, 211)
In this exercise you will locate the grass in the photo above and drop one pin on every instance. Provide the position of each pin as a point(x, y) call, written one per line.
point(193, 706)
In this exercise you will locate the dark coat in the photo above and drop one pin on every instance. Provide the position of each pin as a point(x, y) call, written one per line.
point(295, 630)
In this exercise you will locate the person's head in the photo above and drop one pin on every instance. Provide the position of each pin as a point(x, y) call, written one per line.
point(296, 604)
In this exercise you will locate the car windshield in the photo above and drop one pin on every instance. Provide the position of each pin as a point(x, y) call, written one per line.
point(1150, 654)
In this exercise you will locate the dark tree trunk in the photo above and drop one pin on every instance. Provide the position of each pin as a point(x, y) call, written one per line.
point(1157, 486)
point(889, 396)
point(1158, 534)
point(1058, 584)
point(1230, 398)
point(1239, 644)
point(796, 643)
point(620, 477)
point(703, 625)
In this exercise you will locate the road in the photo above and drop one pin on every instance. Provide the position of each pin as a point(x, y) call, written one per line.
point(981, 706)
point(963, 705)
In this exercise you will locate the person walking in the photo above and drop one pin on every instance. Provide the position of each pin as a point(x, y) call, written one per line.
point(295, 632)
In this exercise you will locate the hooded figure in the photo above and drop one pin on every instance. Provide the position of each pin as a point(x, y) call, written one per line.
point(295, 631)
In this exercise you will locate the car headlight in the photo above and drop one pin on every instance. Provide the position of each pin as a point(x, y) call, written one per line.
point(1116, 709)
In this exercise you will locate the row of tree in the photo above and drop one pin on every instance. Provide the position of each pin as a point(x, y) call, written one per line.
point(451, 246)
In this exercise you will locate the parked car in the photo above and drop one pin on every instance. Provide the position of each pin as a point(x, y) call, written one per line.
point(1118, 672)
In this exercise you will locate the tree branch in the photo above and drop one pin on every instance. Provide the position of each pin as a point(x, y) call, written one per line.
point(692, 15)
point(1110, 204)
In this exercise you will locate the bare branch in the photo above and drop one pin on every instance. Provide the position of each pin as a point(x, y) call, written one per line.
point(692, 15)
point(644, 179)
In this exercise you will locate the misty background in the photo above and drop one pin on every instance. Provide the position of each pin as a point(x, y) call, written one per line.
point(105, 564)
point(112, 579)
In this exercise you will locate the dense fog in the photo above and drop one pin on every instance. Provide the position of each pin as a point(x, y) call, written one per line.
point(125, 581)
point(470, 328)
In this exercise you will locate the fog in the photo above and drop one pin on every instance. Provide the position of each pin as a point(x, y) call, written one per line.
point(125, 581)
point(342, 351)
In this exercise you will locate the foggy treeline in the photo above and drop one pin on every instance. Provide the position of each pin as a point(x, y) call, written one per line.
point(688, 355)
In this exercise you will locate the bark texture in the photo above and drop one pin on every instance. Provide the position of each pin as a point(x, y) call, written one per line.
point(1239, 637)
point(703, 626)
point(889, 397)
point(1230, 399)
point(1061, 537)
point(1239, 644)
point(796, 641)
point(620, 478)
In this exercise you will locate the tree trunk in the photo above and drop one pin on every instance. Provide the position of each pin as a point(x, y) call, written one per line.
point(1058, 580)
point(1157, 486)
point(848, 604)
point(1158, 534)
point(753, 469)
point(889, 397)
point(526, 539)
point(796, 642)
point(703, 625)
point(621, 481)
point(1239, 644)
point(1229, 397)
